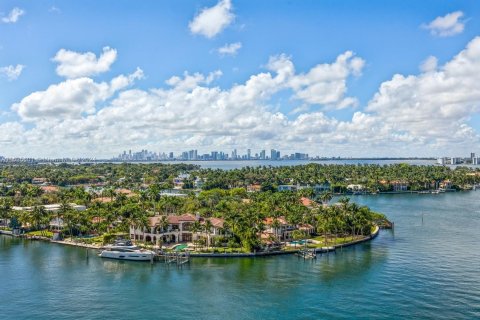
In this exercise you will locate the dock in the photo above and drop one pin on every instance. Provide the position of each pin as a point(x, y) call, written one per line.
point(307, 254)
point(178, 258)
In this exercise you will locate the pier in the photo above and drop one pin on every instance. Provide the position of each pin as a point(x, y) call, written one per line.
point(178, 258)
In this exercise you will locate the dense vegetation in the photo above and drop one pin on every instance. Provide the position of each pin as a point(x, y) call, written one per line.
point(243, 213)
point(373, 177)
point(224, 196)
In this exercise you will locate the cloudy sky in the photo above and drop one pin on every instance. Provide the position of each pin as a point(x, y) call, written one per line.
point(331, 78)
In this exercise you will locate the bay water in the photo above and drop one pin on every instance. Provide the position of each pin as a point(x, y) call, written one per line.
point(428, 267)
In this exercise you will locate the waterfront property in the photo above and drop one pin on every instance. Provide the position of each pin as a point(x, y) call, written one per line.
point(292, 287)
point(57, 222)
point(174, 229)
point(51, 207)
point(279, 229)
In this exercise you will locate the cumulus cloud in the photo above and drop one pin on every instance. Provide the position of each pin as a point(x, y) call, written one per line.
point(211, 21)
point(72, 64)
point(326, 84)
point(81, 112)
point(430, 64)
point(410, 114)
point(13, 16)
point(446, 26)
point(229, 49)
point(12, 72)
point(71, 98)
point(434, 106)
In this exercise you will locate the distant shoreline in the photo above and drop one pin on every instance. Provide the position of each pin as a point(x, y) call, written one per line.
point(94, 160)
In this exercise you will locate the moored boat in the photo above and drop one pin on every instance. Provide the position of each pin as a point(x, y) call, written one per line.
point(124, 250)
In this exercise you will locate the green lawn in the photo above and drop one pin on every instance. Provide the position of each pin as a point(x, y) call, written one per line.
point(94, 240)
point(44, 233)
point(331, 241)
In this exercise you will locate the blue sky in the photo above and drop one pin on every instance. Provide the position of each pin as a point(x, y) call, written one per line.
point(384, 38)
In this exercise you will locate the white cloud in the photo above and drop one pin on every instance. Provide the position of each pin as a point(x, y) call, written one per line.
point(211, 21)
point(448, 25)
point(72, 64)
point(12, 72)
point(77, 114)
point(410, 114)
point(326, 84)
point(434, 106)
point(72, 98)
point(229, 49)
point(13, 16)
point(430, 64)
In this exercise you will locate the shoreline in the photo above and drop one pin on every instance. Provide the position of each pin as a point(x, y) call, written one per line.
point(321, 250)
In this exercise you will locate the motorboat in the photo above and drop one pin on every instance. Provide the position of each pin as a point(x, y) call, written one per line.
point(125, 250)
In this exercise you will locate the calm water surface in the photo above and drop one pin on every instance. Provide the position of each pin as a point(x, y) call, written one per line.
point(234, 164)
point(426, 270)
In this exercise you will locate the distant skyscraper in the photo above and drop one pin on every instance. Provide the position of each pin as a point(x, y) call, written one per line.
point(249, 154)
point(273, 154)
point(214, 155)
point(262, 155)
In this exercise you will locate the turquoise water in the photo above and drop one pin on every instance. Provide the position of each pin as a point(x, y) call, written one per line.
point(180, 247)
point(426, 270)
point(298, 242)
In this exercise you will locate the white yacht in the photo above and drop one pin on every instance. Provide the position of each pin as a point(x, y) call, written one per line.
point(124, 250)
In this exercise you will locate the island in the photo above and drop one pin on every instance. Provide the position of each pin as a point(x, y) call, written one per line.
point(184, 208)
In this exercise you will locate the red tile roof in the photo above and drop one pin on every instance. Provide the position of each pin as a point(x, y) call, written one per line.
point(306, 202)
point(48, 189)
point(305, 226)
point(217, 222)
point(269, 221)
point(153, 221)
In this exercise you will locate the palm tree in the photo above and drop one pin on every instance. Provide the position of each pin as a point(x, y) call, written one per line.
point(5, 210)
point(208, 230)
point(40, 217)
point(153, 193)
point(276, 226)
point(110, 192)
point(163, 223)
point(195, 228)
point(325, 197)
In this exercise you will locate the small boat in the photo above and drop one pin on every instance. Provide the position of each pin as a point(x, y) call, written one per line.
point(125, 250)
point(307, 254)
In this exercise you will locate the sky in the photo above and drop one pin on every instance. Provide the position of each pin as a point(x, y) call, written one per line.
point(330, 78)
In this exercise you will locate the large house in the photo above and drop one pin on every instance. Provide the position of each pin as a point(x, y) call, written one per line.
point(399, 185)
point(281, 230)
point(171, 228)
point(52, 207)
point(56, 222)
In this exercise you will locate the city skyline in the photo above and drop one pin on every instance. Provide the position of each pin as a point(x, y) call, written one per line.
point(318, 76)
point(145, 155)
point(193, 155)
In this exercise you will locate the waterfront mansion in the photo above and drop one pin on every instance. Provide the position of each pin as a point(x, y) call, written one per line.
point(171, 228)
